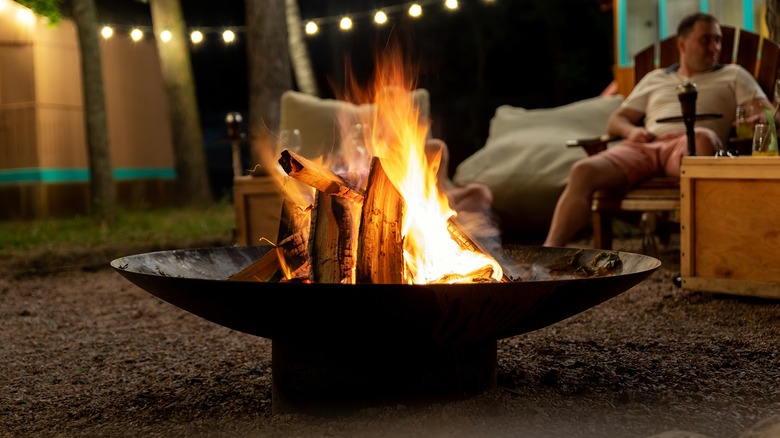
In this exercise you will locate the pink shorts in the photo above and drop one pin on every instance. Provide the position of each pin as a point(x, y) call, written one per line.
point(642, 160)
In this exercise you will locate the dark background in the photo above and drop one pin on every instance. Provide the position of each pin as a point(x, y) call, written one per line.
point(526, 53)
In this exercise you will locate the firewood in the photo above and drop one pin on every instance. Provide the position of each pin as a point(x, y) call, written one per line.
point(380, 256)
point(318, 176)
point(293, 239)
point(465, 240)
point(331, 240)
point(264, 269)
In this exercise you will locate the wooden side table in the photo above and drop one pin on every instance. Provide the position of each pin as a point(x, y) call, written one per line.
point(730, 225)
point(258, 206)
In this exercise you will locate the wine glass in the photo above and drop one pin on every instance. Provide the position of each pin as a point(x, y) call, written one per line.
point(289, 139)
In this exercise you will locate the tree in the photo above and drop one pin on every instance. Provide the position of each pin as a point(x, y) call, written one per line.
point(299, 54)
point(773, 20)
point(270, 74)
point(188, 144)
point(773, 23)
point(84, 14)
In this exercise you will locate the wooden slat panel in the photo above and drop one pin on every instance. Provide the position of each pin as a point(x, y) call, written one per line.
point(767, 70)
point(62, 141)
point(258, 207)
point(687, 216)
point(644, 63)
point(747, 51)
point(733, 287)
point(18, 137)
point(669, 53)
point(727, 44)
point(730, 244)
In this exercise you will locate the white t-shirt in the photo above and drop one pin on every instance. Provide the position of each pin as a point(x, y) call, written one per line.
point(719, 91)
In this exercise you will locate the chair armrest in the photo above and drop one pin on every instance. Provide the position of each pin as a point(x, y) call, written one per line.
point(592, 145)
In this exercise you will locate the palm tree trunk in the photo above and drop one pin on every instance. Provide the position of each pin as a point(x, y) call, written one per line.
point(269, 71)
point(299, 53)
point(773, 23)
point(188, 144)
point(103, 195)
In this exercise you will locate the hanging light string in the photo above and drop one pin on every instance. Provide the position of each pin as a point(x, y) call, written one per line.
point(311, 26)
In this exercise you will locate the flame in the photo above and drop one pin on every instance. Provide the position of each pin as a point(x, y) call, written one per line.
point(398, 136)
point(271, 146)
point(435, 248)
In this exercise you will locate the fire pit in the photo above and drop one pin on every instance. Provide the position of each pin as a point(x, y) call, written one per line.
point(347, 346)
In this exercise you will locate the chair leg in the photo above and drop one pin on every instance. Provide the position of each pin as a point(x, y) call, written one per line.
point(602, 230)
point(648, 226)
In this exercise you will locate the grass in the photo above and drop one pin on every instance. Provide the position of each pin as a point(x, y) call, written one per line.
point(160, 227)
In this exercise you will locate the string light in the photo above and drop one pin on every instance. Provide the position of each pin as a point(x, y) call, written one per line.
point(380, 17)
point(311, 26)
point(25, 16)
point(165, 36)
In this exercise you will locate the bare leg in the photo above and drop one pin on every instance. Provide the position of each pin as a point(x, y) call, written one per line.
point(572, 213)
point(707, 142)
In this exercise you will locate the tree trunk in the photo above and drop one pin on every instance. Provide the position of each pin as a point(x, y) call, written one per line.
point(103, 195)
point(188, 144)
point(772, 22)
point(299, 53)
point(269, 71)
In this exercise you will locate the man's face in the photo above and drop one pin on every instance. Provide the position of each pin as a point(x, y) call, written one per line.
point(701, 48)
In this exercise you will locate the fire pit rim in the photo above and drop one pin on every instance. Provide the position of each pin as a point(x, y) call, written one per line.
point(443, 314)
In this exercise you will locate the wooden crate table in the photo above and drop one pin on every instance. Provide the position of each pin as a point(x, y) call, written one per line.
point(730, 225)
point(258, 206)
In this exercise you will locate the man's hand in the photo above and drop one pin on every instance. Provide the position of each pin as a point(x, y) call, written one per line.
point(640, 134)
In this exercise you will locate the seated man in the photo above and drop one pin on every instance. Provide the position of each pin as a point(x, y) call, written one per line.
point(657, 148)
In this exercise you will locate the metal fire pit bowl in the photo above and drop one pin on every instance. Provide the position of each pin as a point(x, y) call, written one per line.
point(337, 347)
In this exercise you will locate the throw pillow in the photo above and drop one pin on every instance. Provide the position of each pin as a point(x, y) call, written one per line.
point(525, 160)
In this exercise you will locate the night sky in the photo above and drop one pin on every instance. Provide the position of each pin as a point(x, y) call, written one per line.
point(527, 53)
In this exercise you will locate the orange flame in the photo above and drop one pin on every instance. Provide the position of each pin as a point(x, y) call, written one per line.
point(397, 136)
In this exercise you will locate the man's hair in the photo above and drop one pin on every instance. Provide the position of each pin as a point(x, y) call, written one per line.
point(687, 23)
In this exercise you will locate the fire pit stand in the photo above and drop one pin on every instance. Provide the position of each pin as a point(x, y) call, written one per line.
point(331, 378)
point(338, 347)
point(328, 378)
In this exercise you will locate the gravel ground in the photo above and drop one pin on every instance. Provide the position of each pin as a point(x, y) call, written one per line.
point(83, 352)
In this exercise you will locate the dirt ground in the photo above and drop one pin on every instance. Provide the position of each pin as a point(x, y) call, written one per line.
point(83, 352)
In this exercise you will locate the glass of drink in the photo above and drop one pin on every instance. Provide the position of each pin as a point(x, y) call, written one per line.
point(762, 140)
point(744, 129)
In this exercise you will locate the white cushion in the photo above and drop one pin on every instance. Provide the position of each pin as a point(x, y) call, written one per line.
point(318, 119)
point(525, 160)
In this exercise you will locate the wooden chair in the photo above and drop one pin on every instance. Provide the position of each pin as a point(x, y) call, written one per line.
point(661, 195)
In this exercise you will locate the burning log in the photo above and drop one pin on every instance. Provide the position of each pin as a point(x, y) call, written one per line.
point(380, 257)
point(318, 176)
point(267, 268)
point(293, 238)
point(331, 240)
point(465, 240)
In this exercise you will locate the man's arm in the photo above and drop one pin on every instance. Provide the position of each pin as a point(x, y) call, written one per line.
point(625, 123)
